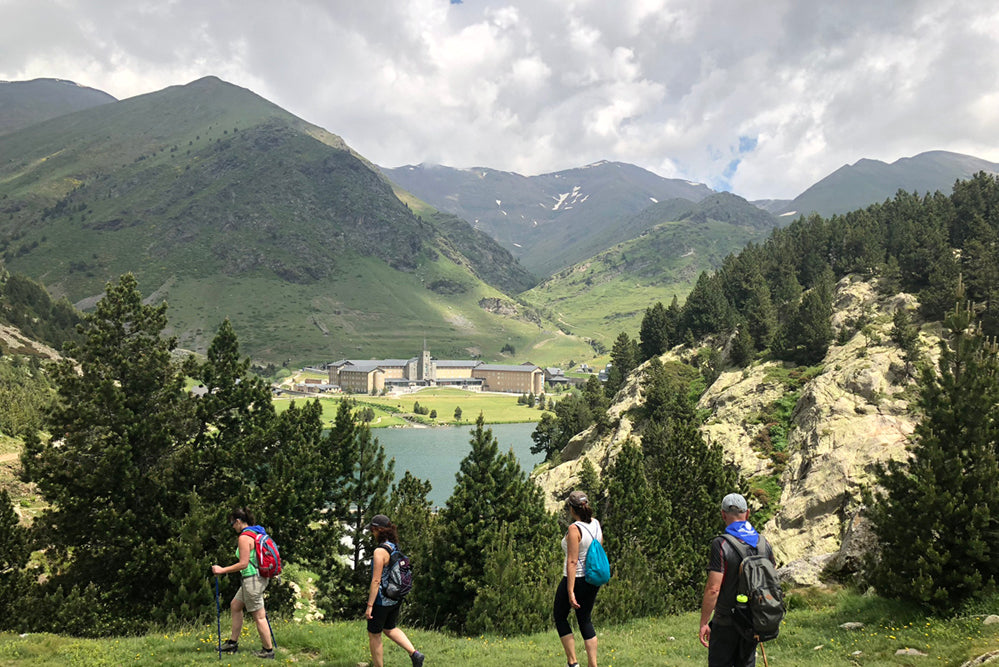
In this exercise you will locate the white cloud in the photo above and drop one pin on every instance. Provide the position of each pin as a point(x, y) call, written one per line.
point(792, 90)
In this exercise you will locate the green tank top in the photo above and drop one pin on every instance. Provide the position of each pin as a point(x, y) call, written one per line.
point(251, 569)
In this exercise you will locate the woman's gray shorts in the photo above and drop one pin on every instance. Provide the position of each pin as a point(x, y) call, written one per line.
point(251, 593)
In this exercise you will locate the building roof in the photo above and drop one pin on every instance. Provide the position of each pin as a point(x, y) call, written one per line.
point(509, 368)
point(384, 363)
point(457, 363)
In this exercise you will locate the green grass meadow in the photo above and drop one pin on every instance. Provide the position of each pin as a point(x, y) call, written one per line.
point(811, 638)
point(496, 408)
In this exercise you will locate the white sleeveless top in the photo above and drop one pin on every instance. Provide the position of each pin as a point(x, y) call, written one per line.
point(587, 532)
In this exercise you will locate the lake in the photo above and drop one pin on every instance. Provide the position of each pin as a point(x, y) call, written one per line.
point(434, 454)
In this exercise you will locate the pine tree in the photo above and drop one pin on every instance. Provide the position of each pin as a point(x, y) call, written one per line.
point(418, 525)
point(367, 490)
point(324, 551)
point(289, 496)
point(623, 361)
point(225, 459)
point(706, 310)
point(572, 415)
point(14, 553)
point(938, 515)
point(635, 521)
point(595, 399)
point(655, 334)
point(806, 337)
point(589, 481)
point(108, 479)
point(743, 346)
point(761, 316)
point(545, 437)
point(491, 491)
point(516, 594)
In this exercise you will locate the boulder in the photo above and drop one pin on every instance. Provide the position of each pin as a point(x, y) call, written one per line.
point(805, 572)
point(858, 541)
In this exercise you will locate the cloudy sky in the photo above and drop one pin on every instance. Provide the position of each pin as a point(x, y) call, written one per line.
point(760, 97)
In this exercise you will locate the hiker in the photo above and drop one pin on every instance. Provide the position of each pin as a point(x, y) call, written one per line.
point(381, 612)
point(251, 591)
point(727, 646)
point(574, 592)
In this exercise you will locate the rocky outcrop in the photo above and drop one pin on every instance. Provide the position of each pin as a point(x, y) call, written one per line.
point(855, 414)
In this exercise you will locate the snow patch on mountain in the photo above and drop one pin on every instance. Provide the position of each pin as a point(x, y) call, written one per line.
point(566, 200)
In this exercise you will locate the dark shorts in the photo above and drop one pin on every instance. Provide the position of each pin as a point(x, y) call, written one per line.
point(383, 618)
point(728, 648)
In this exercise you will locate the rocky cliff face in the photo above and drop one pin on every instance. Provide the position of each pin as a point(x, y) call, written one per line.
point(852, 415)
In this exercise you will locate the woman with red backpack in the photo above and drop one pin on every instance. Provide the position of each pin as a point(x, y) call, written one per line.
point(251, 593)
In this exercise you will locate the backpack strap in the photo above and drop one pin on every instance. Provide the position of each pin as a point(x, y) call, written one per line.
point(743, 549)
point(593, 537)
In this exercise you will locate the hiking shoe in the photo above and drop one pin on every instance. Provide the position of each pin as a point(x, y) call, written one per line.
point(417, 659)
point(265, 653)
point(229, 646)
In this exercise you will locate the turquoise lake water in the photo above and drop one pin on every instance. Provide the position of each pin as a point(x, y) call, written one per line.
point(434, 454)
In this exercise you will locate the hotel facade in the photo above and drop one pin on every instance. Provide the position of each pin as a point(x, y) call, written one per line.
point(375, 375)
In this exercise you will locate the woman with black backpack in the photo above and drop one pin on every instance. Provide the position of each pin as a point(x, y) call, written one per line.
point(382, 612)
point(574, 592)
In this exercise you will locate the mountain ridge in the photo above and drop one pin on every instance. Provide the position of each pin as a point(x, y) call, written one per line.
point(544, 220)
point(24, 103)
point(213, 195)
point(869, 181)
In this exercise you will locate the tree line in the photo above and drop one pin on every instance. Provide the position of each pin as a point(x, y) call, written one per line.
point(138, 475)
point(775, 299)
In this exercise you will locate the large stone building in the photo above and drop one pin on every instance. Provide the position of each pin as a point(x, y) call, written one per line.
point(374, 375)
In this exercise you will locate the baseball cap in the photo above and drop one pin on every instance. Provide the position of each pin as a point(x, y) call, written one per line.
point(379, 520)
point(578, 499)
point(734, 503)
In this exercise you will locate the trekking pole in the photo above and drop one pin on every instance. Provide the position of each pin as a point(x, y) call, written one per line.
point(765, 663)
point(267, 618)
point(218, 615)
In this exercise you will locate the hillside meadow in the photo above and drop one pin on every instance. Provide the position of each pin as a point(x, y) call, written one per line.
point(811, 638)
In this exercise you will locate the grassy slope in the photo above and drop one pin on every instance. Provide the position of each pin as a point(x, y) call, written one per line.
point(366, 311)
point(811, 638)
point(609, 293)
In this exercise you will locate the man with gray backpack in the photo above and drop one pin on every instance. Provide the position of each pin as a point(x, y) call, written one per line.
point(743, 604)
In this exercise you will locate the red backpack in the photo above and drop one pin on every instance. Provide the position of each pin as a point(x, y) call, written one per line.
point(268, 558)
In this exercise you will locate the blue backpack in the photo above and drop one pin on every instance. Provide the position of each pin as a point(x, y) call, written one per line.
point(597, 570)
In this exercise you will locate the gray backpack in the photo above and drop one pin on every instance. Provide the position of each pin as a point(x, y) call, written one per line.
point(759, 607)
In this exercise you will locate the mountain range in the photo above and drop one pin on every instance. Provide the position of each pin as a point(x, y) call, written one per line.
point(226, 205)
point(549, 221)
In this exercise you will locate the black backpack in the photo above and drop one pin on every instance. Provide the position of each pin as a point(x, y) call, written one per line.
point(757, 615)
point(399, 581)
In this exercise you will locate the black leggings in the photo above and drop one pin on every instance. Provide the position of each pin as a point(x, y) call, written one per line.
point(586, 595)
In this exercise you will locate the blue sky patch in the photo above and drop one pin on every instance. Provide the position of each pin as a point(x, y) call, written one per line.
point(747, 144)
